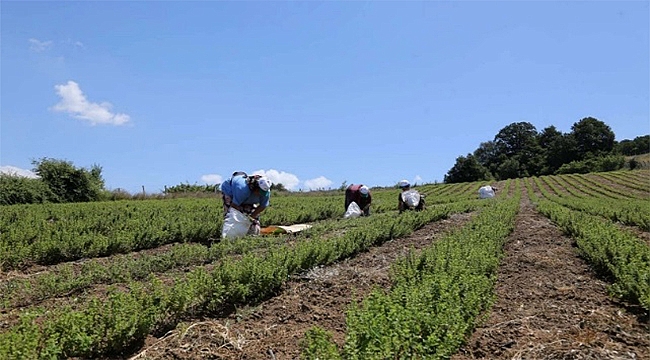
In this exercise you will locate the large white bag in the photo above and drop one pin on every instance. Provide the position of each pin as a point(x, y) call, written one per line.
point(235, 224)
point(411, 198)
point(353, 211)
point(486, 192)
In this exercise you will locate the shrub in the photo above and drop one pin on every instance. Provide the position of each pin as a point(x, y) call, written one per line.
point(16, 189)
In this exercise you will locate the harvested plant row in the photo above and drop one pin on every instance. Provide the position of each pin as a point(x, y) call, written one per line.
point(435, 297)
point(635, 212)
point(111, 325)
point(610, 250)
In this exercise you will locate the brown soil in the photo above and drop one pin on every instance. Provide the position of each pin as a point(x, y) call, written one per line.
point(273, 329)
point(550, 304)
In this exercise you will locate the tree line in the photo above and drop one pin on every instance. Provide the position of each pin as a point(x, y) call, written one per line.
point(59, 181)
point(519, 150)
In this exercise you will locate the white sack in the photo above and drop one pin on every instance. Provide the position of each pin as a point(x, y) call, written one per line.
point(235, 224)
point(353, 211)
point(486, 192)
point(411, 198)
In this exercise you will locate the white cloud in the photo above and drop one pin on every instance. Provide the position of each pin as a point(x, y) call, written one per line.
point(320, 182)
point(289, 181)
point(39, 46)
point(74, 43)
point(212, 179)
point(73, 101)
point(417, 179)
point(12, 170)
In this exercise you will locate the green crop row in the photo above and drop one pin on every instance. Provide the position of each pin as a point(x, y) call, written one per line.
point(67, 279)
point(108, 326)
point(435, 298)
point(634, 212)
point(589, 186)
point(610, 250)
point(624, 180)
point(54, 233)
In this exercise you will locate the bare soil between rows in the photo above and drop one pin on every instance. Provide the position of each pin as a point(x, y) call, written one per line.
point(550, 305)
point(274, 328)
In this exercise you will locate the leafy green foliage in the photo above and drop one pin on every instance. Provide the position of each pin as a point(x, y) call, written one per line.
point(594, 164)
point(518, 150)
point(467, 169)
point(431, 307)
point(318, 345)
point(640, 145)
point(16, 189)
point(593, 137)
point(69, 183)
point(190, 188)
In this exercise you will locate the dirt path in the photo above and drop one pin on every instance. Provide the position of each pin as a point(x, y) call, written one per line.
point(550, 305)
point(273, 329)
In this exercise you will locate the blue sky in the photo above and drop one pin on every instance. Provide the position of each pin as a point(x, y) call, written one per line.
point(310, 93)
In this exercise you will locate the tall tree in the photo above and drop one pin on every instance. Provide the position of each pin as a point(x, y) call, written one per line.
point(487, 155)
point(640, 145)
point(593, 137)
point(518, 141)
point(467, 169)
point(557, 149)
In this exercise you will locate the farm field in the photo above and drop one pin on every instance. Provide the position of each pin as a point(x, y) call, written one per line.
point(553, 267)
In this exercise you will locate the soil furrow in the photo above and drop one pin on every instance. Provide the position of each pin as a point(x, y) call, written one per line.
point(274, 328)
point(551, 305)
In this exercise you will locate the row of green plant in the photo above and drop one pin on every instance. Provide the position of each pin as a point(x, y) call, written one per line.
point(65, 279)
point(109, 326)
point(435, 298)
point(628, 179)
point(635, 212)
point(611, 251)
point(590, 186)
point(624, 180)
point(561, 187)
point(54, 233)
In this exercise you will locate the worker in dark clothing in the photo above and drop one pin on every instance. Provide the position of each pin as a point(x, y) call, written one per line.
point(359, 194)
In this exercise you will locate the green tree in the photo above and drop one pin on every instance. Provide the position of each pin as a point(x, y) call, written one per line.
point(640, 145)
point(557, 149)
point(488, 155)
point(69, 183)
point(518, 142)
point(467, 169)
point(593, 138)
point(511, 169)
point(593, 164)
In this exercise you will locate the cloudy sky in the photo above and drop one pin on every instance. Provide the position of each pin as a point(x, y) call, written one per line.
point(311, 94)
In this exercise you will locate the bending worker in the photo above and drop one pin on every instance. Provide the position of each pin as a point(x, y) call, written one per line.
point(359, 194)
point(248, 194)
point(409, 199)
